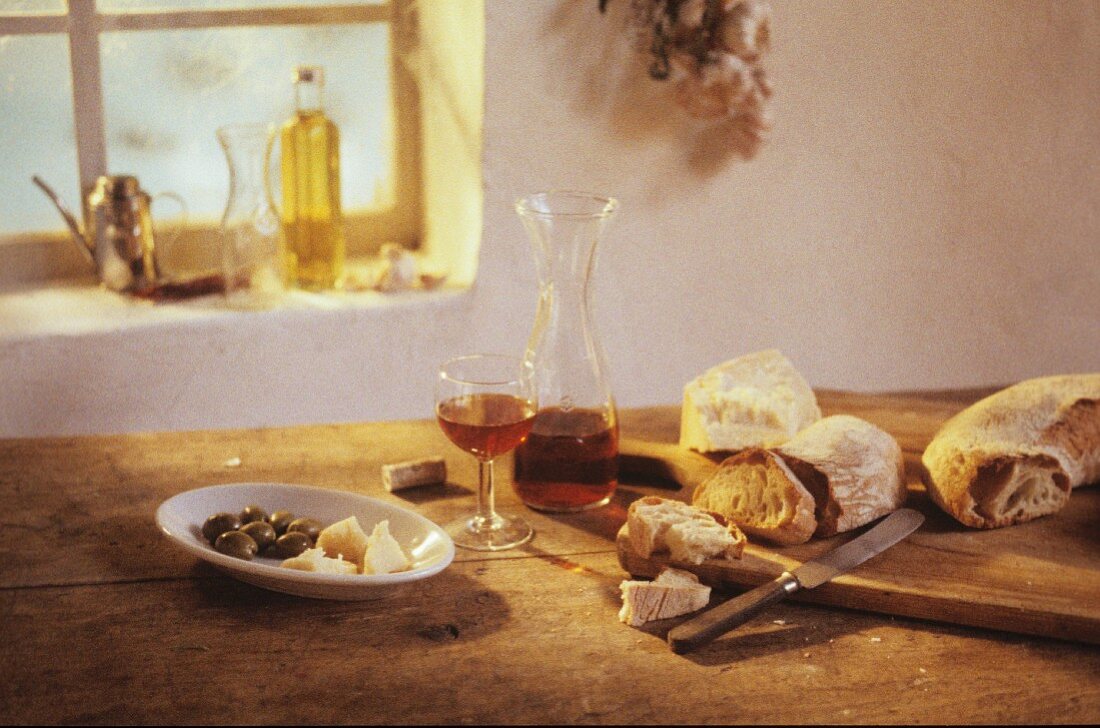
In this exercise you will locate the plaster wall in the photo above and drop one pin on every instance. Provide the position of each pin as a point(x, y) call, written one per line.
point(926, 214)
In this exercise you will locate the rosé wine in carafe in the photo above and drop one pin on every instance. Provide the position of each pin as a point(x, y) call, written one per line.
point(569, 461)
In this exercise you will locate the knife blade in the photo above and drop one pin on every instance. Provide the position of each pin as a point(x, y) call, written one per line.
point(711, 624)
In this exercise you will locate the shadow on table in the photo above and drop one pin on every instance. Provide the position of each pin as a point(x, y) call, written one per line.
point(447, 607)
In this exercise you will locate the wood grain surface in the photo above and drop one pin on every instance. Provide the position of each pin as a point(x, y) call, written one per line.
point(104, 621)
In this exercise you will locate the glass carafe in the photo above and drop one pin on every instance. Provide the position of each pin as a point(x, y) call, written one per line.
point(569, 462)
point(251, 233)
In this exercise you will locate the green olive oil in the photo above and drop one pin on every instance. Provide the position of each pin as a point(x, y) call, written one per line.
point(312, 221)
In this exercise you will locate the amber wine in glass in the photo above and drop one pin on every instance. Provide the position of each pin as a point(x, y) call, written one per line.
point(485, 404)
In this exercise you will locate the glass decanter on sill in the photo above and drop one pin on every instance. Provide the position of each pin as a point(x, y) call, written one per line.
point(251, 233)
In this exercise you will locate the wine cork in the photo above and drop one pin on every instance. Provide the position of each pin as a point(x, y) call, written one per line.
point(413, 473)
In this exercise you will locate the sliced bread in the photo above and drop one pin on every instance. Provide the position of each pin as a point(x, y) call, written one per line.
point(854, 471)
point(1016, 455)
point(757, 491)
point(672, 593)
point(687, 533)
point(757, 400)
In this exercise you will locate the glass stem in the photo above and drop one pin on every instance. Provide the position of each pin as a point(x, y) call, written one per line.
point(486, 501)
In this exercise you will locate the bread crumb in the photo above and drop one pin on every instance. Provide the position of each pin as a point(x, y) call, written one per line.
point(876, 639)
point(232, 463)
point(805, 654)
point(922, 670)
point(779, 621)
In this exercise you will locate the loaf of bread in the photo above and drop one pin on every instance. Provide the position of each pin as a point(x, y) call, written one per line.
point(757, 400)
point(854, 471)
point(672, 593)
point(757, 491)
point(1017, 454)
point(689, 535)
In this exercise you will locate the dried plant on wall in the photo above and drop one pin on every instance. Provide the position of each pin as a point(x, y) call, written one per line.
point(711, 50)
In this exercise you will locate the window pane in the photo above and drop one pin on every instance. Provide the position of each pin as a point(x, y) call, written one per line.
point(36, 119)
point(31, 7)
point(167, 92)
point(115, 5)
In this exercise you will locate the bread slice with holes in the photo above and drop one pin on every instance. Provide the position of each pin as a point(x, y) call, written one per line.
point(1016, 455)
point(689, 534)
point(757, 491)
point(756, 400)
point(672, 593)
point(854, 470)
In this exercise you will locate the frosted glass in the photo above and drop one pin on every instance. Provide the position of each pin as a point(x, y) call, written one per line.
point(36, 131)
point(167, 92)
point(115, 5)
point(32, 7)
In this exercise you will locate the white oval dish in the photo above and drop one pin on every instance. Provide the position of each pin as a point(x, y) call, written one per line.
point(431, 549)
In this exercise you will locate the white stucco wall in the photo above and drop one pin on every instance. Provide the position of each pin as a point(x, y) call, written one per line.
point(926, 214)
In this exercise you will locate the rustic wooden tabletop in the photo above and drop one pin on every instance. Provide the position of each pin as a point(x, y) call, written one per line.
point(106, 621)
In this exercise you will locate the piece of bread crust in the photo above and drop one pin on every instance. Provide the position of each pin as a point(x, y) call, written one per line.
point(854, 471)
point(756, 400)
point(1018, 453)
point(672, 593)
point(757, 491)
point(689, 534)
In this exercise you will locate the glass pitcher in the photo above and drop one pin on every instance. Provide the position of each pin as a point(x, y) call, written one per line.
point(569, 462)
point(252, 238)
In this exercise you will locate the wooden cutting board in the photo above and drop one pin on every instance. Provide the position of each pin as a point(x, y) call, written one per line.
point(1038, 578)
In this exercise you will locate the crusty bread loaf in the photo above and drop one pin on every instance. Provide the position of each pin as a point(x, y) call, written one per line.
point(757, 400)
point(756, 490)
point(1016, 454)
point(672, 593)
point(690, 535)
point(854, 471)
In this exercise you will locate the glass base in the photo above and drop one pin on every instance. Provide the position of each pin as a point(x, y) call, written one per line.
point(490, 534)
point(569, 509)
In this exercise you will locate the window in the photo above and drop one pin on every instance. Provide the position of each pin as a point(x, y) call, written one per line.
point(140, 86)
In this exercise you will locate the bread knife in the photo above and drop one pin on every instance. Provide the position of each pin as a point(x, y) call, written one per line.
point(723, 618)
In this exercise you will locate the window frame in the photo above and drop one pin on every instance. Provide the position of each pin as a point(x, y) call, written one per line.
point(83, 23)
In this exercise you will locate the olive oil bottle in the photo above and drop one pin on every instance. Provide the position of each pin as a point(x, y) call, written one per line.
point(312, 221)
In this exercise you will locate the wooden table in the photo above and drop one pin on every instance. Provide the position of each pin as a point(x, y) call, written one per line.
point(104, 620)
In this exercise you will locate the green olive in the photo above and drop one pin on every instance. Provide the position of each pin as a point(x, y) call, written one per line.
point(280, 520)
point(253, 513)
point(237, 544)
point(261, 532)
point(218, 524)
point(291, 544)
point(309, 526)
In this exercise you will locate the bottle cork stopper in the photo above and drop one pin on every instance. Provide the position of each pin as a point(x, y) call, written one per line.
point(414, 473)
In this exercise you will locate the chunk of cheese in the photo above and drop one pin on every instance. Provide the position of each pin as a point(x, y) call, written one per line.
point(344, 539)
point(384, 555)
point(315, 560)
point(757, 400)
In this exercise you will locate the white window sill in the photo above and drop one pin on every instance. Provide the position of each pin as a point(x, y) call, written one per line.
point(76, 359)
point(81, 308)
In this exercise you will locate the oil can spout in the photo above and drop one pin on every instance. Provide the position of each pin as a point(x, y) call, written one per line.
point(79, 237)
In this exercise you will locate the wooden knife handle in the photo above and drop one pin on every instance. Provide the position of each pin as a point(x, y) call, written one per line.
point(716, 622)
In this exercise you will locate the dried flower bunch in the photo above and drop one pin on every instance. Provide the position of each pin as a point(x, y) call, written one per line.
point(711, 50)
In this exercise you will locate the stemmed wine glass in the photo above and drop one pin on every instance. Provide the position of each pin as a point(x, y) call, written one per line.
point(486, 404)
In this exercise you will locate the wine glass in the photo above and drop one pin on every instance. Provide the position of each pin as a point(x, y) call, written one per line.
point(485, 404)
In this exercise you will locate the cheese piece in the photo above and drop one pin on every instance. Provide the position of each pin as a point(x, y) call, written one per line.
point(315, 560)
point(344, 539)
point(384, 555)
point(672, 593)
point(757, 400)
